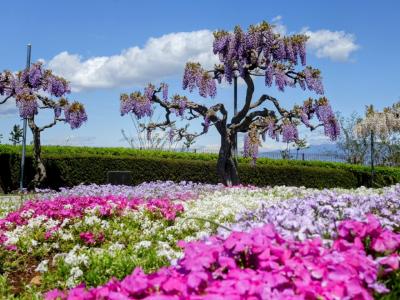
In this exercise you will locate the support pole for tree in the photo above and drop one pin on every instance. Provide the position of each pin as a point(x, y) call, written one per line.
point(235, 148)
point(372, 158)
point(21, 181)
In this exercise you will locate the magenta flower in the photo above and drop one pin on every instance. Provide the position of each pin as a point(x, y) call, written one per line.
point(260, 264)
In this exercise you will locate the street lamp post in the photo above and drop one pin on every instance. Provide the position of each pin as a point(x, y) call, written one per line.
point(372, 158)
point(235, 148)
point(21, 181)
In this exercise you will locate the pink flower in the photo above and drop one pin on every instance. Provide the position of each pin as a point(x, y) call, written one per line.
point(260, 264)
point(55, 295)
point(196, 279)
point(391, 262)
point(88, 238)
point(386, 241)
point(11, 248)
point(135, 284)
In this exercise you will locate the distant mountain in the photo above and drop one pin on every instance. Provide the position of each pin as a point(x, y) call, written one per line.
point(315, 149)
point(324, 152)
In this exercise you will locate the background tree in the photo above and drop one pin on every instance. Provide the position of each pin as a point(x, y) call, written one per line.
point(354, 148)
point(1, 137)
point(142, 140)
point(37, 89)
point(16, 135)
point(382, 129)
point(257, 52)
point(300, 144)
point(168, 138)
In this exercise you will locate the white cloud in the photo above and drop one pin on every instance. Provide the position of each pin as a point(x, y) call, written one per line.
point(8, 108)
point(165, 56)
point(276, 19)
point(160, 58)
point(279, 27)
point(336, 45)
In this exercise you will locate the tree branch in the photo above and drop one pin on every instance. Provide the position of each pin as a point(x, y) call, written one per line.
point(49, 103)
point(50, 125)
point(277, 105)
point(250, 118)
point(260, 101)
point(5, 100)
point(249, 96)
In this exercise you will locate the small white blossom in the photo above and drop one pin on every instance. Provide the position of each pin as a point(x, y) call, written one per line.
point(143, 245)
point(43, 266)
point(116, 247)
point(104, 224)
point(91, 220)
point(66, 236)
point(117, 232)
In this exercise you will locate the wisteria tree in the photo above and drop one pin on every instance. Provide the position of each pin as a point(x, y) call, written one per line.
point(259, 51)
point(37, 89)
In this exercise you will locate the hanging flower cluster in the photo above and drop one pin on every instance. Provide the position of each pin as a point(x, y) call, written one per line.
point(260, 48)
point(195, 76)
point(75, 115)
point(136, 103)
point(381, 124)
point(180, 102)
point(164, 89)
point(28, 87)
point(289, 132)
point(287, 127)
point(325, 115)
point(251, 144)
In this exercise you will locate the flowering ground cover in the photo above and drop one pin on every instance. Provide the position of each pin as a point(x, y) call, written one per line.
point(10, 203)
point(164, 240)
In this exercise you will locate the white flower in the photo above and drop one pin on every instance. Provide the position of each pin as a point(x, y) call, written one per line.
point(64, 222)
point(116, 247)
point(104, 224)
point(91, 220)
point(27, 213)
point(14, 236)
point(51, 223)
point(55, 257)
point(143, 245)
point(75, 259)
point(66, 236)
point(75, 274)
point(117, 232)
point(37, 221)
point(43, 266)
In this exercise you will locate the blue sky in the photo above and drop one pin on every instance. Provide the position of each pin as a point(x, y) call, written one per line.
point(108, 47)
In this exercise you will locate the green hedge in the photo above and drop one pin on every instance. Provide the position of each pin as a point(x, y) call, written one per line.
point(115, 151)
point(66, 170)
point(68, 166)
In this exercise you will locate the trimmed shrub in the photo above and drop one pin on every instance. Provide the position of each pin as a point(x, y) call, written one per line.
point(68, 170)
point(68, 166)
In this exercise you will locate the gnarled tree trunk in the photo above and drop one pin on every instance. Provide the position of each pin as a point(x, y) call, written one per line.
point(227, 164)
point(40, 169)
